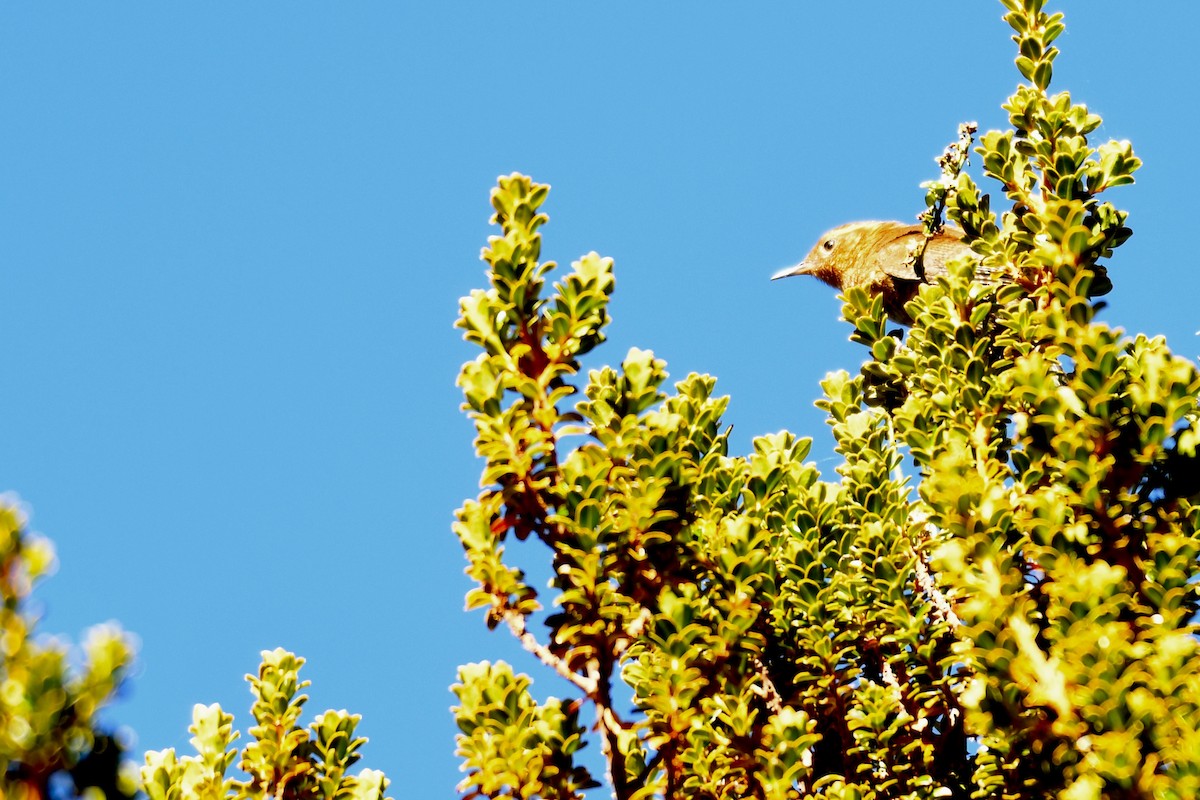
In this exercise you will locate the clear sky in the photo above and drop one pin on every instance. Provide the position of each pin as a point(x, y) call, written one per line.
point(233, 236)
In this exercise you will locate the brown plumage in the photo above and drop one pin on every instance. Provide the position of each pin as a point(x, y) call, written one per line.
point(873, 255)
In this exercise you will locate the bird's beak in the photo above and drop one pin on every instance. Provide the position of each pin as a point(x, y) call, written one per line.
point(803, 268)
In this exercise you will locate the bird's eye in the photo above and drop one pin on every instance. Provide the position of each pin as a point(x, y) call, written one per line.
point(828, 245)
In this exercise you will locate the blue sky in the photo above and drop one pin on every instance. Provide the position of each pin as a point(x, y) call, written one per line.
point(233, 236)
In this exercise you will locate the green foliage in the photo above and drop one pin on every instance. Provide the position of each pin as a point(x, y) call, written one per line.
point(1019, 622)
point(283, 760)
point(49, 733)
point(512, 744)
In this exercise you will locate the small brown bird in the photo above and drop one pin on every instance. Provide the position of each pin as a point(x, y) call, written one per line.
point(874, 255)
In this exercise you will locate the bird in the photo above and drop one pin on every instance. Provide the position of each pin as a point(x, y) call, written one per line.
point(874, 256)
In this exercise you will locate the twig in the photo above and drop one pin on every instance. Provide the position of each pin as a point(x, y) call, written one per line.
point(767, 691)
point(594, 688)
point(516, 623)
point(951, 163)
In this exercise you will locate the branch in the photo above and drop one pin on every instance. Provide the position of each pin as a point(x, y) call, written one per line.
point(610, 725)
point(951, 161)
point(767, 691)
point(516, 623)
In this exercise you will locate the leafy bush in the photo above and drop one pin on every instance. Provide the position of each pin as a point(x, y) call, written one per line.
point(1019, 621)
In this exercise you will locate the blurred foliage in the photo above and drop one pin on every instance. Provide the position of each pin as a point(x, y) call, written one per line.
point(283, 760)
point(54, 748)
point(51, 740)
point(1018, 621)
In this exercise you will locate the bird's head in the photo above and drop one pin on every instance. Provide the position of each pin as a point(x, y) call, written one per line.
point(836, 250)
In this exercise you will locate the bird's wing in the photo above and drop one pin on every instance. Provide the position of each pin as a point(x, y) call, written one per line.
point(945, 247)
